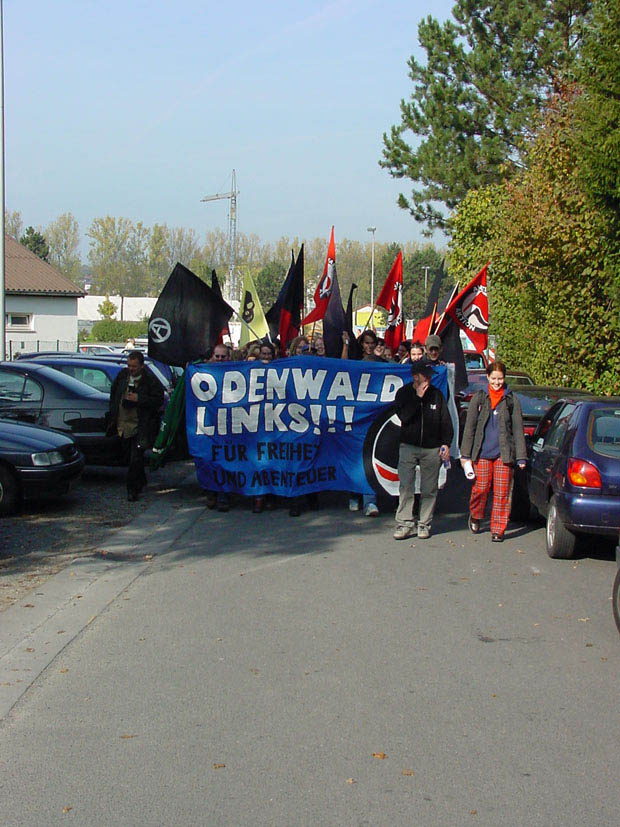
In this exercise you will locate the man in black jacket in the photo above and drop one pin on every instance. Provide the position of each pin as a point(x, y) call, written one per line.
point(425, 436)
point(136, 402)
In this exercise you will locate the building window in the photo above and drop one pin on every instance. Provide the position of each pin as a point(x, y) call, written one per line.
point(19, 321)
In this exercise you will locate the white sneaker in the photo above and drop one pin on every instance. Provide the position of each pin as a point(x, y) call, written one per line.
point(354, 504)
point(404, 531)
point(371, 510)
point(424, 532)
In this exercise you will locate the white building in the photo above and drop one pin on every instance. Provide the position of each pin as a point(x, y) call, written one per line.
point(40, 303)
point(128, 308)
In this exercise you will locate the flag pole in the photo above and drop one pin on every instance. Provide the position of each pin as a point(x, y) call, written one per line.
point(243, 321)
point(452, 295)
point(372, 313)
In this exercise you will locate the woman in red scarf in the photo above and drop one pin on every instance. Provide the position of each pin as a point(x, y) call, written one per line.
point(493, 440)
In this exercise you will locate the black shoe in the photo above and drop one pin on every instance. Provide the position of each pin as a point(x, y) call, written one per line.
point(223, 503)
point(211, 500)
point(474, 525)
point(497, 538)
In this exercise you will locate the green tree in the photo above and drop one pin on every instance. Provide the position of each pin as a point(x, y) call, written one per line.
point(159, 263)
point(63, 236)
point(137, 281)
point(35, 242)
point(598, 107)
point(13, 224)
point(487, 74)
point(552, 267)
point(269, 280)
point(107, 309)
point(109, 238)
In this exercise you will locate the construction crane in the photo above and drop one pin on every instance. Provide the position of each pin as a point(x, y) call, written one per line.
point(231, 282)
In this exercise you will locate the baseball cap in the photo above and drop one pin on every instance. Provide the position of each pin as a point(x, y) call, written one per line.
point(432, 341)
point(422, 366)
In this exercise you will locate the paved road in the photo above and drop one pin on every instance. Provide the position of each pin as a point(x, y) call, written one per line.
point(263, 670)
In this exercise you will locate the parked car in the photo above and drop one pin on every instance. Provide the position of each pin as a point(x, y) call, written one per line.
point(35, 462)
point(36, 394)
point(573, 473)
point(535, 399)
point(94, 350)
point(478, 378)
point(98, 371)
point(166, 374)
point(475, 360)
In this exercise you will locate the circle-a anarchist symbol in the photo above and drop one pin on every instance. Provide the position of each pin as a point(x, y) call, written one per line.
point(160, 330)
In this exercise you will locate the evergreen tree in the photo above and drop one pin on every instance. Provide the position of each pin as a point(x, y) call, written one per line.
point(487, 73)
point(598, 107)
point(35, 241)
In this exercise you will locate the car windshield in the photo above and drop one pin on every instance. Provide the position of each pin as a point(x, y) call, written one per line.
point(473, 360)
point(604, 431)
point(535, 406)
point(68, 382)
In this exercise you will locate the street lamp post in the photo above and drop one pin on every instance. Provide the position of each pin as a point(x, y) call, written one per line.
point(372, 267)
point(2, 199)
point(426, 269)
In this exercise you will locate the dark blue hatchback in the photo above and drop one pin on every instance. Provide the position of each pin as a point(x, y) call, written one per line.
point(573, 475)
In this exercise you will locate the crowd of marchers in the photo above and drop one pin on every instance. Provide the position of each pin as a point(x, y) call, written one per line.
point(493, 444)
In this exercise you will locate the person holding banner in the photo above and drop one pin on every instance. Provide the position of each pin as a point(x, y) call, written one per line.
point(425, 436)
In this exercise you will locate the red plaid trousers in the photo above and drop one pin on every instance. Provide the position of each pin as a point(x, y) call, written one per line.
point(492, 472)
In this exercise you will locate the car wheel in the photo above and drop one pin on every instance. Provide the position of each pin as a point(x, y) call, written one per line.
point(9, 492)
point(615, 599)
point(561, 543)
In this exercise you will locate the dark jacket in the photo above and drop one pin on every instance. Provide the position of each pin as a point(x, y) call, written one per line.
point(425, 420)
point(150, 404)
point(510, 426)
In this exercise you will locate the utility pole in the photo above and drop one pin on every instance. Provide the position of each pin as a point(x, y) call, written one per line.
point(2, 267)
point(231, 283)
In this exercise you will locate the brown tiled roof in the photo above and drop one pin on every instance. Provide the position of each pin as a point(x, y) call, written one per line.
point(25, 272)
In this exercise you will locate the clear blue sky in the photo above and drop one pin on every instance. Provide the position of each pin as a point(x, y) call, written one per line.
point(139, 109)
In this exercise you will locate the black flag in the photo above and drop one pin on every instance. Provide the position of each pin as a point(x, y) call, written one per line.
point(285, 315)
point(186, 320)
point(355, 351)
point(433, 297)
point(452, 351)
point(334, 321)
point(215, 286)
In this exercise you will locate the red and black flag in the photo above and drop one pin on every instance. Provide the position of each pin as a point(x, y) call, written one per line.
point(323, 290)
point(470, 311)
point(391, 298)
point(187, 319)
point(285, 315)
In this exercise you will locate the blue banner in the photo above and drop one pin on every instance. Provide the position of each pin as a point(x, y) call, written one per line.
point(289, 427)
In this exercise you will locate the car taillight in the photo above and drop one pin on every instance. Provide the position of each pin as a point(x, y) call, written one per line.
point(583, 473)
point(528, 430)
